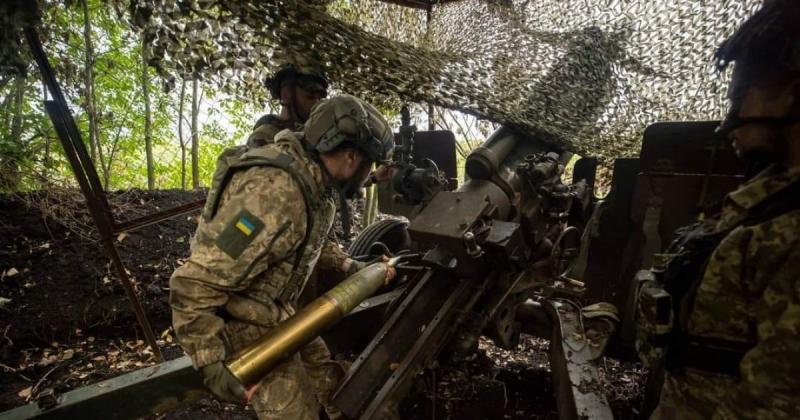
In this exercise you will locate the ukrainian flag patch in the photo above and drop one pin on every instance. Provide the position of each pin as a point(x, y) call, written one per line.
point(245, 226)
point(239, 233)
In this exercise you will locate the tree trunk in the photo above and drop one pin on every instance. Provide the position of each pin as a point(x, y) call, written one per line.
point(148, 140)
point(89, 82)
point(195, 135)
point(106, 167)
point(7, 115)
point(47, 139)
point(9, 164)
point(112, 153)
point(16, 122)
point(180, 135)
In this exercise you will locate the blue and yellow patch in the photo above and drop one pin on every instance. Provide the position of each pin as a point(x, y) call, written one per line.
point(239, 233)
point(245, 226)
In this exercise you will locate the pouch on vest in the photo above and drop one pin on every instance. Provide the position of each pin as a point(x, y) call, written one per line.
point(662, 314)
point(654, 321)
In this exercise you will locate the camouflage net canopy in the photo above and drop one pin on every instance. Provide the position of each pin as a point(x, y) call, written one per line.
point(585, 75)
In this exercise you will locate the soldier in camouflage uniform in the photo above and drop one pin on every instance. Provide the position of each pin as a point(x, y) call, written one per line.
point(298, 87)
point(736, 353)
point(262, 232)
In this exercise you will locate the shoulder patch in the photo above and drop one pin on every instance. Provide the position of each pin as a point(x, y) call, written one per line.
point(239, 233)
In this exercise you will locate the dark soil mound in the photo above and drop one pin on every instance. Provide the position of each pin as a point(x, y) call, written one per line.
point(58, 281)
point(59, 290)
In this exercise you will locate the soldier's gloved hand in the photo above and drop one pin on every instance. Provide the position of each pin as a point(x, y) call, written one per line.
point(384, 172)
point(222, 383)
point(356, 266)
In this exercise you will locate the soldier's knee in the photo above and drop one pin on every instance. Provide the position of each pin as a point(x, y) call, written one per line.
point(285, 394)
point(284, 399)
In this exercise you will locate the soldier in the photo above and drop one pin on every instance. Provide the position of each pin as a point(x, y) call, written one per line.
point(734, 348)
point(262, 231)
point(298, 88)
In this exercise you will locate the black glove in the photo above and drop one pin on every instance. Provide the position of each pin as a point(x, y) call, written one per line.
point(222, 383)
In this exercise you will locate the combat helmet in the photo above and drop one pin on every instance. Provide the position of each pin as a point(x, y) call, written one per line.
point(765, 48)
point(347, 119)
point(304, 75)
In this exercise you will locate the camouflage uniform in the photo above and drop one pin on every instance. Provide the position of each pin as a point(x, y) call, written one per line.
point(243, 278)
point(267, 127)
point(749, 293)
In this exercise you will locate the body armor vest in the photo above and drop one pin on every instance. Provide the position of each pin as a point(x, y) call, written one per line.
point(666, 301)
point(284, 279)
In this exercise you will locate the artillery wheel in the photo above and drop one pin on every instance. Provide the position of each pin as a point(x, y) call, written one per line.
point(391, 232)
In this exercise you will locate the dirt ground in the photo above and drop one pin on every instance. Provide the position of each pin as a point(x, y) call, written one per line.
point(65, 321)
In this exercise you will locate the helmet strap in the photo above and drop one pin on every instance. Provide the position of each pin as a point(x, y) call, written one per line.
point(348, 190)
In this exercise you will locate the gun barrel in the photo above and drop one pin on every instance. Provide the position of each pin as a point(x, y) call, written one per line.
point(253, 362)
point(484, 161)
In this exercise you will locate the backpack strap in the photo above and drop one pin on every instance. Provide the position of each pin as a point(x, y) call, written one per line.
point(227, 160)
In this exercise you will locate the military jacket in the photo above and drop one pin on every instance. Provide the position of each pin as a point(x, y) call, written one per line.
point(267, 127)
point(260, 236)
point(750, 293)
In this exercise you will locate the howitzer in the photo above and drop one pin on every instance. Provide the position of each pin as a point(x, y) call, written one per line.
point(511, 233)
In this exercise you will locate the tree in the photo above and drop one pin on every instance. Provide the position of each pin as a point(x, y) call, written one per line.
point(98, 60)
point(181, 140)
point(89, 100)
point(47, 161)
point(148, 130)
point(12, 148)
point(195, 135)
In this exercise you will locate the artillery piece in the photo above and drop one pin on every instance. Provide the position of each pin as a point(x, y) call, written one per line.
point(512, 250)
point(515, 249)
point(502, 247)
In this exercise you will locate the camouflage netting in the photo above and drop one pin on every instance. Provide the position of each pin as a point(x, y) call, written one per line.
point(586, 75)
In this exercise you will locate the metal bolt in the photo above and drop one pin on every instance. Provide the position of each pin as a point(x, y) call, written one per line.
point(471, 244)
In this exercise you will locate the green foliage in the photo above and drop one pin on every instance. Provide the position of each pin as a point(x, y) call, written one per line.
point(224, 120)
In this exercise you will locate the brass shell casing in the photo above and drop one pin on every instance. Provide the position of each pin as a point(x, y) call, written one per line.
point(255, 361)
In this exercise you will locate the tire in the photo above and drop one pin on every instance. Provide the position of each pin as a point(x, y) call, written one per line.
point(391, 232)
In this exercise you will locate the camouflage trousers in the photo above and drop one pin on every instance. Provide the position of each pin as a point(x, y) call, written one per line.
point(693, 395)
point(298, 387)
